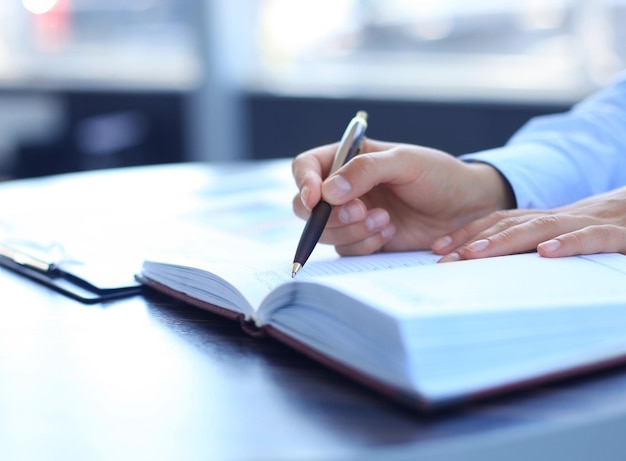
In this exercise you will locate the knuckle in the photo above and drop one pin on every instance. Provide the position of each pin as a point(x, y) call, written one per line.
point(501, 215)
point(364, 164)
point(509, 222)
point(298, 166)
point(546, 221)
point(504, 236)
point(605, 232)
point(577, 239)
point(501, 220)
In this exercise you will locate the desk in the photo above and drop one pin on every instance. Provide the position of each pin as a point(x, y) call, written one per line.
point(151, 378)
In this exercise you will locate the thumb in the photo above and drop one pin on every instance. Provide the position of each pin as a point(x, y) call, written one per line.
point(366, 171)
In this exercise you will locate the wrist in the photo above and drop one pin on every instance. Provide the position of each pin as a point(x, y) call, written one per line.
point(493, 191)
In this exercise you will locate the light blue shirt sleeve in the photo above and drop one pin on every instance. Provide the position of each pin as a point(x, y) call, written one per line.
point(558, 159)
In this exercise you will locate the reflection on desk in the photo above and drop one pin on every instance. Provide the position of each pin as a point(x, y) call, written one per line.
point(151, 378)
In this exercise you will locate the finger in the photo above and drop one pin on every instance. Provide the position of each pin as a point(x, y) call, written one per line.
point(366, 171)
point(341, 215)
point(308, 169)
point(311, 167)
point(369, 245)
point(521, 236)
point(518, 238)
point(448, 243)
point(350, 213)
point(605, 238)
point(343, 235)
point(482, 227)
point(299, 209)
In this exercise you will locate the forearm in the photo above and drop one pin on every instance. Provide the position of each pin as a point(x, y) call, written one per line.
point(559, 159)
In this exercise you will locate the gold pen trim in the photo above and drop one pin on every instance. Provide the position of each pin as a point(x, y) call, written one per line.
point(295, 269)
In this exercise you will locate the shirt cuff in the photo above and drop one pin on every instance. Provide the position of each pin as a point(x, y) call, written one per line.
point(539, 179)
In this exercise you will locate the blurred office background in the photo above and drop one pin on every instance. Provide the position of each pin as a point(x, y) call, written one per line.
point(104, 83)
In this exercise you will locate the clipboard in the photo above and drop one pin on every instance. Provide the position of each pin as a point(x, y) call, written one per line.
point(55, 277)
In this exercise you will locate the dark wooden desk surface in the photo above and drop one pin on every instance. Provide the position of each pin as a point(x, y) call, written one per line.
point(150, 378)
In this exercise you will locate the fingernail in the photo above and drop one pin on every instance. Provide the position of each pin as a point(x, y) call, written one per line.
point(450, 258)
point(388, 231)
point(550, 245)
point(350, 213)
point(304, 196)
point(478, 245)
point(336, 187)
point(442, 242)
point(376, 220)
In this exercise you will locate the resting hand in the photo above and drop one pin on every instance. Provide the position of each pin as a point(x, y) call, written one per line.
point(593, 225)
point(395, 197)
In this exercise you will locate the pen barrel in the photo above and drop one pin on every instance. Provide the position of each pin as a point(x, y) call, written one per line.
point(312, 231)
point(350, 144)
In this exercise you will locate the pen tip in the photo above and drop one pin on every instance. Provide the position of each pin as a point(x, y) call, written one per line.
point(295, 268)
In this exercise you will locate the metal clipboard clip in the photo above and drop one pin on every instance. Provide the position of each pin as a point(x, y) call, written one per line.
point(53, 276)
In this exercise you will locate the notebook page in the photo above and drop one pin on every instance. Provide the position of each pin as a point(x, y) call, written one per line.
point(254, 274)
point(525, 281)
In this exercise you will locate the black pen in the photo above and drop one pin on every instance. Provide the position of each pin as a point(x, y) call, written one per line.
point(350, 145)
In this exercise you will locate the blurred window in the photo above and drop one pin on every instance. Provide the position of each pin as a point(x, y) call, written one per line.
point(110, 42)
point(557, 49)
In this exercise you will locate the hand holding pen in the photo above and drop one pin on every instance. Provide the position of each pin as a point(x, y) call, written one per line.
point(350, 145)
point(396, 197)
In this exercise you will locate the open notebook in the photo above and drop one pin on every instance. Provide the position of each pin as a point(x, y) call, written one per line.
point(428, 334)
